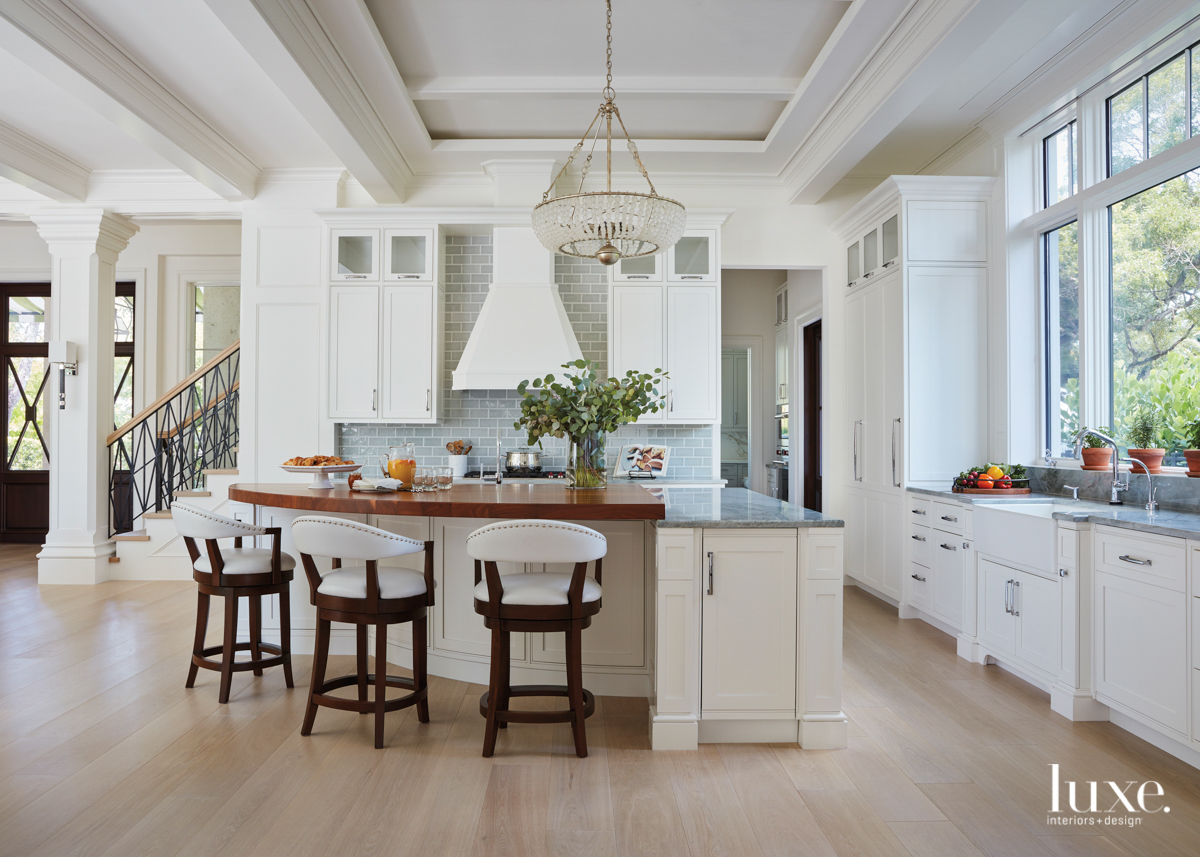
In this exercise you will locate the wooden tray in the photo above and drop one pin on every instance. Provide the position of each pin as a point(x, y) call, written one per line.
point(997, 491)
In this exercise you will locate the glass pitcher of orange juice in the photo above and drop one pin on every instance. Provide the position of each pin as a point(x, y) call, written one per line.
point(401, 463)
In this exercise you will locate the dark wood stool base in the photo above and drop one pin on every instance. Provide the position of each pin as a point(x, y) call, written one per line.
point(504, 716)
point(224, 663)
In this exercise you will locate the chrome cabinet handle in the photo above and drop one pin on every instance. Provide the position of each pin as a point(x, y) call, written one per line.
point(375, 400)
point(354, 276)
point(1016, 586)
point(948, 518)
point(918, 577)
point(637, 276)
point(1062, 572)
point(918, 511)
point(889, 263)
point(1008, 596)
point(710, 572)
point(857, 431)
point(868, 275)
point(428, 399)
point(919, 538)
point(1134, 560)
point(895, 478)
point(670, 402)
point(408, 276)
point(949, 547)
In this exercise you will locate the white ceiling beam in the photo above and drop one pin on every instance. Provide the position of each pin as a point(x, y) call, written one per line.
point(68, 49)
point(449, 88)
point(317, 66)
point(930, 39)
point(40, 167)
point(562, 146)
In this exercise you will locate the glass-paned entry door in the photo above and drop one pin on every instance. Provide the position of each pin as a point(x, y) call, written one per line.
point(24, 468)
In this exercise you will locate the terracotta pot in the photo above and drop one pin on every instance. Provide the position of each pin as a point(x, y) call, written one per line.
point(1099, 458)
point(1152, 457)
point(1193, 462)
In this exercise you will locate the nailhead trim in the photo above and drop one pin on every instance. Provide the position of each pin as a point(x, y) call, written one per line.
point(552, 525)
point(362, 528)
point(251, 529)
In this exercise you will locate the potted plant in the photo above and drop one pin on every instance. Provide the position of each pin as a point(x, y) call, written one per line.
point(1097, 455)
point(1192, 454)
point(585, 410)
point(1142, 436)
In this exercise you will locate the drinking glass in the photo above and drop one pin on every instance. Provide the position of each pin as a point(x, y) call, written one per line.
point(400, 464)
point(424, 479)
point(445, 478)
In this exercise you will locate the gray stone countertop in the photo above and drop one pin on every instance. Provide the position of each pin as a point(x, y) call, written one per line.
point(734, 508)
point(1165, 522)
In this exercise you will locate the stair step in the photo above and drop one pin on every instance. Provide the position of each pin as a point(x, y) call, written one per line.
point(166, 514)
point(222, 472)
point(132, 536)
point(193, 493)
point(114, 559)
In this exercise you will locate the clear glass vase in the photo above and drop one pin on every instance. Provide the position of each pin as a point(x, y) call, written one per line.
point(586, 464)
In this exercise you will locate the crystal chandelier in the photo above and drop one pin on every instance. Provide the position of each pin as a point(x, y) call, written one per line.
point(607, 226)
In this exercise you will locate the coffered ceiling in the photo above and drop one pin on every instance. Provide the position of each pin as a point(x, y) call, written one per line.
point(199, 101)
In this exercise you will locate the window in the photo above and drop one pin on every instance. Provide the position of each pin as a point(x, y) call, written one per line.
point(123, 355)
point(25, 353)
point(1154, 113)
point(1061, 178)
point(1155, 301)
point(1060, 249)
point(217, 310)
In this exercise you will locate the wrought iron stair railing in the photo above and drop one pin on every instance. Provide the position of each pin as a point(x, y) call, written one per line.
point(167, 447)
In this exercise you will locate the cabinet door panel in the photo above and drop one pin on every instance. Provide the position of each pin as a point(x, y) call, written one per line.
point(354, 351)
point(1038, 603)
point(458, 628)
point(1141, 648)
point(636, 334)
point(692, 353)
point(997, 627)
point(893, 384)
point(854, 393)
point(617, 634)
point(748, 649)
point(408, 345)
point(947, 231)
point(947, 577)
point(874, 453)
point(855, 535)
point(919, 586)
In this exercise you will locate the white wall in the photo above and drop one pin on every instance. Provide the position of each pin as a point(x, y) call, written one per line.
point(748, 312)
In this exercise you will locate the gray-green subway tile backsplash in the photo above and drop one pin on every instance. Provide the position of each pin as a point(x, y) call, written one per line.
point(474, 415)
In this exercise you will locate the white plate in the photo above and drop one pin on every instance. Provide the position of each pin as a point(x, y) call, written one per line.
point(372, 490)
point(321, 473)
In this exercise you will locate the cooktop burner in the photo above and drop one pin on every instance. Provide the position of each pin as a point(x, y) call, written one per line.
point(518, 473)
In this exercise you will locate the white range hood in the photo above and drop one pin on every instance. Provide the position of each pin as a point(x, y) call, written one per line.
point(522, 331)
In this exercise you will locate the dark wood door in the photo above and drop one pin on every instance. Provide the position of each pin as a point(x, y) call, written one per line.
point(24, 470)
point(812, 415)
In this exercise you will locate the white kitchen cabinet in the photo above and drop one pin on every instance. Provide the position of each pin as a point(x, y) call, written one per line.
point(782, 351)
point(694, 257)
point(873, 393)
point(354, 255)
point(1037, 608)
point(409, 382)
point(748, 648)
point(781, 305)
point(354, 352)
point(734, 389)
point(947, 553)
point(636, 330)
point(854, 514)
point(408, 255)
point(920, 587)
point(640, 269)
point(1141, 651)
point(997, 628)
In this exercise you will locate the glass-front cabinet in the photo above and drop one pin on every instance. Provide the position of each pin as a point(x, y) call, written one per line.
point(891, 241)
point(640, 269)
point(408, 255)
point(875, 253)
point(355, 255)
point(693, 258)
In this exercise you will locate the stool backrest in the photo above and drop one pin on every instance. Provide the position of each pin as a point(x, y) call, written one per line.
point(194, 523)
point(536, 541)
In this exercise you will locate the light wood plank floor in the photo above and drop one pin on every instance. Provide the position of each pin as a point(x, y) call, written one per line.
point(103, 752)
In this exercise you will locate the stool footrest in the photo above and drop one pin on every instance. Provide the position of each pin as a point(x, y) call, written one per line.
point(202, 659)
point(320, 696)
point(523, 716)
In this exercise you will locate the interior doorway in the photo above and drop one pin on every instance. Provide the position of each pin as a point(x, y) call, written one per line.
point(810, 349)
point(735, 417)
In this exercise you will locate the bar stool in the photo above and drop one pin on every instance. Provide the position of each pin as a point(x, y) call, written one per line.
point(540, 602)
point(365, 596)
point(232, 574)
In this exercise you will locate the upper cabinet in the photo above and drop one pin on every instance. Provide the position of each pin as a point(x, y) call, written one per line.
point(408, 255)
point(876, 251)
point(952, 230)
point(694, 258)
point(781, 305)
point(640, 269)
point(355, 255)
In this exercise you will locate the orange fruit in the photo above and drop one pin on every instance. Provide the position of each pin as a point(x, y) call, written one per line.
point(994, 472)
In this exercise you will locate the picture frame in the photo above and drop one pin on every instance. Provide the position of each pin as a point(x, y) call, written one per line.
point(643, 460)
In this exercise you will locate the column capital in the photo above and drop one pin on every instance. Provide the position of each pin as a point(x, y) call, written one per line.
point(83, 231)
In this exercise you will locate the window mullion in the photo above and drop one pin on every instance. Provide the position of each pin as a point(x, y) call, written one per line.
point(1094, 376)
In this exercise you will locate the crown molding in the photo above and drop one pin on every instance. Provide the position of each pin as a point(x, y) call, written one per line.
point(40, 167)
point(62, 44)
point(876, 203)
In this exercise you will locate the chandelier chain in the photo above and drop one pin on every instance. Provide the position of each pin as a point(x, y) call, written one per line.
point(609, 92)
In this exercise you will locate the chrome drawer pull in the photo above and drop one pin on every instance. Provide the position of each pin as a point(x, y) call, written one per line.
point(1135, 561)
point(710, 572)
point(919, 538)
point(918, 511)
point(949, 547)
point(918, 577)
point(1008, 596)
point(948, 518)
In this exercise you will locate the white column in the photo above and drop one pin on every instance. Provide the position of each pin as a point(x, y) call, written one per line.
point(84, 245)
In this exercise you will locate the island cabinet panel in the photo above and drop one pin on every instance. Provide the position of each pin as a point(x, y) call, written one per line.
point(617, 636)
point(748, 649)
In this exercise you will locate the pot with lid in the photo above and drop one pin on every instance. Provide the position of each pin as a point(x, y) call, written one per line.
point(523, 460)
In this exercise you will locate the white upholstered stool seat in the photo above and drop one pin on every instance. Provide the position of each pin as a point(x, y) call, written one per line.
point(540, 589)
point(371, 595)
point(352, 583)
point(245, 561)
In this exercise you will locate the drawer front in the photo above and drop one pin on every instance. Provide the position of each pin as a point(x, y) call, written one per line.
point(1157, 560)
point(921, 538)
point(948, 517)
point(920, 510)
point(918, 577)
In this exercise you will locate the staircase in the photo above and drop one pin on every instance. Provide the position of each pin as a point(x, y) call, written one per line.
point(184, 446)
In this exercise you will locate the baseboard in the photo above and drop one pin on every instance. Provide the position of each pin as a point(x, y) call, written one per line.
point(747, 732)
point(1150, 735)
point(1020, 672)
point(824, 732)
point(870, 590)
point(672, 732)
point(930, 619)
point(1077, 705)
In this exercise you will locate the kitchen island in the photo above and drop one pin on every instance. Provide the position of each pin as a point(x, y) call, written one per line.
point(724, 607)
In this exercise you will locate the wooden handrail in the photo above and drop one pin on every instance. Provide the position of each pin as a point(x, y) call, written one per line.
point(146, 413)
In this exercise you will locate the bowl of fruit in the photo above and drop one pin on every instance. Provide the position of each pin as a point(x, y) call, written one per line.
point(993, 479)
